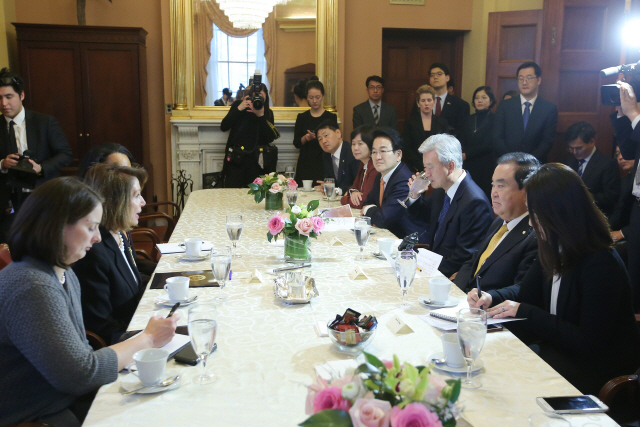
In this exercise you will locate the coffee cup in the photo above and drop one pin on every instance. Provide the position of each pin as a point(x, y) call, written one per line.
point(439, 290)
point(193, 246)
point(386, 245)
point(151, 364)
point(451, 350)
point(178, 288)
point(307, 184)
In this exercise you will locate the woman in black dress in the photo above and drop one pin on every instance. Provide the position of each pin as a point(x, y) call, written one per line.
point(418, 128)
point(310, 165)
point(475, 138)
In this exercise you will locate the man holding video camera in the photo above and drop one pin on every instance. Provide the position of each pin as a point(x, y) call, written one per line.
point(33, 149)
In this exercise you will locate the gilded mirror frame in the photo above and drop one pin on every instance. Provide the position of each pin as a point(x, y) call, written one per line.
point(182, 62)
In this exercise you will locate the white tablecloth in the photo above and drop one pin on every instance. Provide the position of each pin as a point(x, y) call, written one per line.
point(267, 350)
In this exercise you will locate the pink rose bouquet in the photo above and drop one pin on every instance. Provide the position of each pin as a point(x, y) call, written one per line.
point(298, 222)
point(267, 183)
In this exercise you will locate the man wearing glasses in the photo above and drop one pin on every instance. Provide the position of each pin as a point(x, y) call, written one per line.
point(453, 109)
point(25, 130)
point(374, 112)
point(598, 171)
point(526, 123)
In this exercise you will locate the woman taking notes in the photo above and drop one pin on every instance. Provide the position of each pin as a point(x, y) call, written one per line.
point(576, 297)
point(45, 360)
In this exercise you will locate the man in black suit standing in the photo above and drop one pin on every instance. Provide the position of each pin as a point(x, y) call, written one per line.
point(373, 111)
point(510, 245)
point(458, 212)
point(599, 172)
point(26, 130)
point(453, 109)
point(338, 159)
point(526, 123)
point(381, 204)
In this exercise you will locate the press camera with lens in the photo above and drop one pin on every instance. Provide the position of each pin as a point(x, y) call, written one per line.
point(610, 94)
point(255, 85)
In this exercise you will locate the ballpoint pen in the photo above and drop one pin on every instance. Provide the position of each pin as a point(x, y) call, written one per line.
point(173, 309)
point(478, 286)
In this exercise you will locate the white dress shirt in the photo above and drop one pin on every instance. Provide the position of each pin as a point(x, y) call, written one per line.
point(379, 104)
point(511, 225)
point(21, 133)
point(555, 289)
point(532, 101)
point(586, 159)
point(442, 99)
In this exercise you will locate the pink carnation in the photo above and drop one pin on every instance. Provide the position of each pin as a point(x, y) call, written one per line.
point(292, 184)
point(304, 226)
point(318, 224)
point(370, 413)
point(275, 188)
point(258, 181)
point(330, 398)
point(276, 224)
point(414, 415)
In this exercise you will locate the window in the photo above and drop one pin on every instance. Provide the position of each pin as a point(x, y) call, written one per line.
point(233, 61)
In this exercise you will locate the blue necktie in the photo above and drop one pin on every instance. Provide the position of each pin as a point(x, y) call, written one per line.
point(443, 213)
point(526, 114)
point(580, 166)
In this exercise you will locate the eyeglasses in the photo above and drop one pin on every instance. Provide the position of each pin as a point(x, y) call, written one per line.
point(375, 88)
point(438, 74)
point(381, 152)
point(528, 79)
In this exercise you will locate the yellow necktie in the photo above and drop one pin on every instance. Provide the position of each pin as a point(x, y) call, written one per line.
point(492, 245)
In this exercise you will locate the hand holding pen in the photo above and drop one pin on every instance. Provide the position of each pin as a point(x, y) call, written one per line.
point(478, 299)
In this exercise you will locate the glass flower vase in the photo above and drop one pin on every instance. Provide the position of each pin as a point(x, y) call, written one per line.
point(273, 201)
point(297, 249)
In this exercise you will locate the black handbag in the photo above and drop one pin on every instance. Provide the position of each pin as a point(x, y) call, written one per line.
point(269, 157)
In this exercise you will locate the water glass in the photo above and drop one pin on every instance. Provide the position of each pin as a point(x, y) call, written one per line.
point(290, 171)
point(292, 197)
point(221, 267)
point(406, 266)
point(234, 231)
point(329, 188)
point(472, 330)
point(419, 186)
point(362, 230)
point(203, 326)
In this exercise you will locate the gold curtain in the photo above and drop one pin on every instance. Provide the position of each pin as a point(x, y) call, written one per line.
point(208, 13)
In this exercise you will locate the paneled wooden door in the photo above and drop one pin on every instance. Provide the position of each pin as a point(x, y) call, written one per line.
point(580, 37)
point(513, 38)
point(406, 58)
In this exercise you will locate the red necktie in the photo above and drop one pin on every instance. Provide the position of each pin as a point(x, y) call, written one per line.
point(438, 107)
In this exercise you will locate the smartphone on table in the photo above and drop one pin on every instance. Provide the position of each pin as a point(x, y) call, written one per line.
point(188, 356)
point(586, 404)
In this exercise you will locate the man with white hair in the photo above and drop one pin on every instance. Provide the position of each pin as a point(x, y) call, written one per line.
point(458, 212)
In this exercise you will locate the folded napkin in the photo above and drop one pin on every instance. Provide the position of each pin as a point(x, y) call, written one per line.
point(178, 248)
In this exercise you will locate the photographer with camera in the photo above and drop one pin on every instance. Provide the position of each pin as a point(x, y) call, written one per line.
point(248, 152)
point(33, 149)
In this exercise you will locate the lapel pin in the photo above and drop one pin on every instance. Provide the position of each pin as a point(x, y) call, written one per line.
point(524, 232)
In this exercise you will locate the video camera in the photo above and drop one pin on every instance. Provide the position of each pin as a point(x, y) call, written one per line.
point(255, 86)
point(22, 175)
point(610, 94)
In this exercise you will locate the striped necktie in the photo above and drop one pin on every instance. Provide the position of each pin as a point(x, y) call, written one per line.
point(376, 118)
point(581, 163)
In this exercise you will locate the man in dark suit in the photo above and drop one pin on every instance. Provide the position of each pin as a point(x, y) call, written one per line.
point(599, 172)
point(458, 212)
point(526, 123)
point(510, 246)
point(455, 110)
point(26, 130)
point(373, 111)
point(381, 204)
point(338, 159)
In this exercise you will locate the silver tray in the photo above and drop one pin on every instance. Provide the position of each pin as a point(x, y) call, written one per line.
point(281, 292)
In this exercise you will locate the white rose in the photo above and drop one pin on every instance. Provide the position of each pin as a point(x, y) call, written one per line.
point(296, 210)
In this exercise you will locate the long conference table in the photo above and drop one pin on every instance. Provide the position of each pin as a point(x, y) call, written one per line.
point(267, 350)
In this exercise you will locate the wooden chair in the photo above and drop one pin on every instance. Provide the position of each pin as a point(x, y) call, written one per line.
point(95, 341)
point(141, 253)
point(176, 209)
point(5, 256)
point(622, 396)
point(161, 230)
point(145, 239)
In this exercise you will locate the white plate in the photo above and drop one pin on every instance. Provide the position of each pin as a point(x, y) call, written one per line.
point(131, 382)
point(190, 258)
point(306, 191)
point(164, 300)
point(451, 302)
point(478, 364)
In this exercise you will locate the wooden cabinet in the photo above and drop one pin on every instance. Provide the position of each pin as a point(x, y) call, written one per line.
point(91, 79)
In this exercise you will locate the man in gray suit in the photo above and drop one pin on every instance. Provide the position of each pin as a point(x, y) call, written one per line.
point(373, 111)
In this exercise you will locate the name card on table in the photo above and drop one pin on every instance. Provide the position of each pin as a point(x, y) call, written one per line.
point(343, 211)
point(358, 274)
point(398, 327)
point(255, 277)
point(337, 224)
point(335, 242)
point(428, 262)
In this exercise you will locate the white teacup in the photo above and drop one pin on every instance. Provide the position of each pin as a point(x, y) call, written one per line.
point(307, 184)
point(178, 288)
point(151, 364)
point(439, 290)
point(451, 349)
point(386, 245)
point(193, 246)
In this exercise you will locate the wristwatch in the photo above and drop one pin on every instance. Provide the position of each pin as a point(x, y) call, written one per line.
point(353, 190)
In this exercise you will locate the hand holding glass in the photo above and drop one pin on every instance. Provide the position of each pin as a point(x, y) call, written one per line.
point(419, 186)
point(221, 266)
point(203, 326)
point(362, 230)
point(234, 231)
point(406, 266)
point(472, 330)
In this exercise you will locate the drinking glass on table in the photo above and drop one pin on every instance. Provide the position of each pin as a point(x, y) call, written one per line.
point(234, 231)
point(292, 196)
point(329, 187)
point(472, 330)
point(419, 186)
point(362, 230)
point(221, 266)
point(203, 325)
point(406, 266)
point(290, 171)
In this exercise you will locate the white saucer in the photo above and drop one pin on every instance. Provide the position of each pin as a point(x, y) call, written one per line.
point(131, 382)
point(164, 300)
point(478, 364)
point(451, 302)
point(306, 191)
point(190, 258)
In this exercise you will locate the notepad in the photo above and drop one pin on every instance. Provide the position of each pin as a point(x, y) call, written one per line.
point(447, 318)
